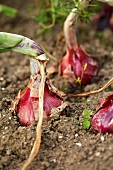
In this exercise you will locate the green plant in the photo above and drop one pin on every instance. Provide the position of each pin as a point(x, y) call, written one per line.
point(51, 12)
point(55, 11)
point(6, 10)
point(86, 118)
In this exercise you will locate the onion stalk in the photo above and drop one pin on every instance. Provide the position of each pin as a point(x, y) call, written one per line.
point(76, 66)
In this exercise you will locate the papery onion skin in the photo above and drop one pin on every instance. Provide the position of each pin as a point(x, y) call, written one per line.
point(27, 102)
point(103, 119)
point(73, 63)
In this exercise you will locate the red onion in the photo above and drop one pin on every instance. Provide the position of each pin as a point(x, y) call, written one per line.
point(76, 65)
point(103, 119)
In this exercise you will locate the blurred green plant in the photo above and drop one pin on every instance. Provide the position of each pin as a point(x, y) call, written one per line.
point(11, 12)
point(56, 11)
point(86, 118)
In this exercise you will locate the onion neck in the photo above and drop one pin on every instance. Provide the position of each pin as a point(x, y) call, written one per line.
point(69, 31)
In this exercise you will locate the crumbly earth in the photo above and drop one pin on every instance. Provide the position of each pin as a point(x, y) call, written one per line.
point(65, 144)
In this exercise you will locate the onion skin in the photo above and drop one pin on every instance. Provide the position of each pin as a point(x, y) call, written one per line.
point(27, 102)
point(73, 63)
point(103, 119)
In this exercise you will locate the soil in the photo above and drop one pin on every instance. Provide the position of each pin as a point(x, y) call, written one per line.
point(65, 143)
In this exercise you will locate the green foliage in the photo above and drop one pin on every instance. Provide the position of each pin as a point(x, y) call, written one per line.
point(19, 43)
point(86, 124)
point(11, 12)
point(86, 119)
point(56, 11)
point(84, 13)
point(51, 12)
point(100, 35)
point(86, 113)
point(8, 40)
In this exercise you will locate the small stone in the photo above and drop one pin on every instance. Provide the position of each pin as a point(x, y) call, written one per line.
point(76, 135)
point(102, 138)
point(10, 117)
point(60, 137)
point(20, 129)
point(54, 160)
point(79, 144)
point(2, 88)
point(1, 78)
point(97, 154)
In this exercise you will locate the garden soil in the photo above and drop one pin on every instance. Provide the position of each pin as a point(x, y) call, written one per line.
point(65, 144)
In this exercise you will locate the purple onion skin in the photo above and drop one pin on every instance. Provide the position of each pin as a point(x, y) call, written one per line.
point(24, 108)
point(72, 66)
point(27, 106)
point(103, 119)
point(37, 47)
point(51, 100)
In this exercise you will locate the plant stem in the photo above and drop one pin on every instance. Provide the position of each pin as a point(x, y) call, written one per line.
point(37, 142)
point(69, 31)
point(49, 55)
point(92, 92)
point(34, 66)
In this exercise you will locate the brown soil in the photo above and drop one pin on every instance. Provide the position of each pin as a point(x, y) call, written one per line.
point(65, 144)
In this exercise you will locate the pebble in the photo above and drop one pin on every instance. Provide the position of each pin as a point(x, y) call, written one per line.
point(97, 154)
point(2, 88)
point(3, 137)
point(102, 138)
point(6, 128)
point(20, 129)
point(79, 144)
point(76, 135)
point(54, 160)
point(1, 78)
point(60, 137)
point(10, 117)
